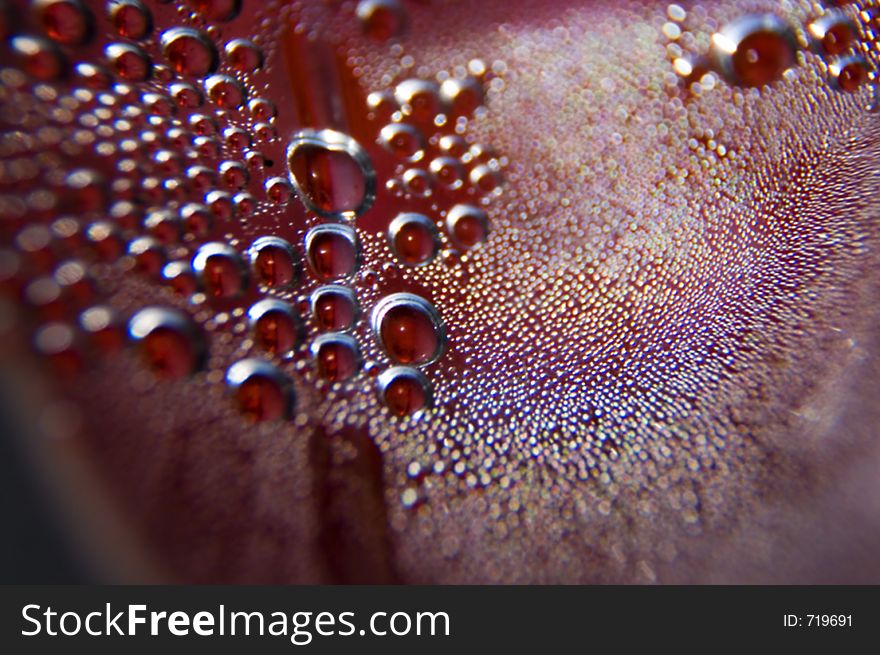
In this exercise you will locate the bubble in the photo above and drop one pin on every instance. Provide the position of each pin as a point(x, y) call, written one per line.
point(332, 251)
point(404, 390)
point(75, 282)
point(462, 96)
point(485, 178)
point(39, 58)
point(278, 190)
point(197, 219)
point(66, 21)
point(186, 95)
point(336, 357)
point(164, 225)
point(417, 182)
point(275, 326)
point(105, 240)
point(381, 19)
point(848, 73)
point(413, 238)
point(224, 91)
point(261, 109)
point(409, 329)
point(467, 225)
point(236, 138)
point(262, 392)
point(220, 270)
point(447, 171)
point(201, 178)
point(334, 308)
point(128, 61)
point(58, 342)
point(221, 205)
point(755, 49)
point(169, 342)
point(404, 141)
point(274, 262)
point(180, 277)
point(234, 174)
point(832, 33)
point(332, 173)
point(217, 10)
point(149, 255)
point(103, 327)
point(381, 105)
point(92, 76)
point(244, 56)
point(419, 99)
point(189, 51)
point(131, 18)
point(453, 145)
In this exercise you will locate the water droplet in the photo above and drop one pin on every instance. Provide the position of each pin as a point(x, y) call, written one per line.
point(234, 175)
point(404, 390)
point(224, 91)
point(221, 205)
point(149, 256)
point(131, 18)
point(334, 308)
point(189, 51)
point(180, 277)
point(848, 73)
point(381, 19)
point(419, 99)
point(197, 219)
point(278, 190)
point(453, 145)
point(169, 342)
point(409, 329)
point(58, 343)
point(104, 329)
point(220, 269)
point(755, 49)
point(164, 225)
point(244, 56)
point(462, 96)
point(39, 58)
point(332, 173)
point(485, 177)
point(274, 262)
point(92, 75)
point(217, 10)
point(405, 141)
point(261, 109)
point(467, 225)
point(275, 325)
point(417, 182)
point(413, 238)
point(105, 239)
point(128, 61)
point(447, 171)
point(186, 95)
point(66, 21)
point(262, 392)
point(336, 356)
point(332, 251)
point(832, 33)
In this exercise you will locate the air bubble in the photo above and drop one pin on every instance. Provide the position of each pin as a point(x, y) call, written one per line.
point(131, 18)
point(832, 33)
point(244, 56)
point(404, 141)
point(224, 91)
point(128, 61)
point(419, 99)
point(381, 19)
point(66, 21)
point(848, 73)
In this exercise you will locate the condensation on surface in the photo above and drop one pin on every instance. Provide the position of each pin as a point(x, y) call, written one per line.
point(673, 272)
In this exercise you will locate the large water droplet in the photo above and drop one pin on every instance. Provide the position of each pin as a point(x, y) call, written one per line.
point(336, 356)
point(189, 51)
point(273, 262)
point(220, 270)
point(66, 21)
point(409, 329)
point(334, 307)
point(413, 238)
point(755, 49)
point(275, 326)
point(404, 390)
point(467, 225)
point(332, 173)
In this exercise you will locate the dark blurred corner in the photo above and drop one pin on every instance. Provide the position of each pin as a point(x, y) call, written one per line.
point(33, 547)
